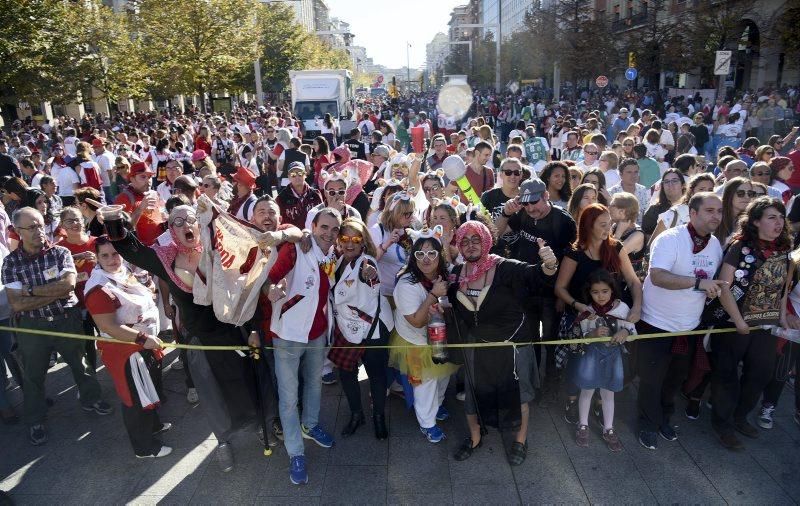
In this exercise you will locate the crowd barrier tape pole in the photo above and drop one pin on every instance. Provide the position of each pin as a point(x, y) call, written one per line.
point(585, 340)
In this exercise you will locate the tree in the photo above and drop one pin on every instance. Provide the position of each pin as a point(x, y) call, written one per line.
point(660, 44)
point(587, 46)
point(35, 64)
point(284, 45)
point(192, 46)
point(113, 63)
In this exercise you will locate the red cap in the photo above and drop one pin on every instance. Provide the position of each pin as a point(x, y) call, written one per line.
point(97, 143)
point(244, 176)
point(140, 168)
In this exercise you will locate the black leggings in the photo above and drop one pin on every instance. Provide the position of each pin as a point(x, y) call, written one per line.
point(734, 397)
point(375, 361)
point(142, 423)
point(788, 359)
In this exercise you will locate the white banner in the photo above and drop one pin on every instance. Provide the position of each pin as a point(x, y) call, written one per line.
point(234, 267)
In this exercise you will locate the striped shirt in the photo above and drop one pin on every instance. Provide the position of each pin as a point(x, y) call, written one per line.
point(47, 266)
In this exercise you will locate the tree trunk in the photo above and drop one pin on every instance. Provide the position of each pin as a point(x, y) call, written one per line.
point(201, 91)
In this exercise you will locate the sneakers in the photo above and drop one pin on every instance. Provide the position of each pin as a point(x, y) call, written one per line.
point(37, 435)
point(442, 414)
point(162, 452)
point(744, 427)
point(582, 436)
point(297, 470)
point(765, 417)
point(225, 457)
point(163, 428)
point(277, 428)
point(101, 408)
point(571, 411)
point(191, 396)
point(329, 379)
point(668, 432)
point(693, 409)
point(317, 435)
point(434, 434)
point(648, 439)
point(612, 440)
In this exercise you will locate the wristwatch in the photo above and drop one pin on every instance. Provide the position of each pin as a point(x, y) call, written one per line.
point(503, 212)
point(697, 283)
point(283, 235)
point(30, 290)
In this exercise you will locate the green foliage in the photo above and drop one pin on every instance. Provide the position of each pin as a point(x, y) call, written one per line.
point(41, 55)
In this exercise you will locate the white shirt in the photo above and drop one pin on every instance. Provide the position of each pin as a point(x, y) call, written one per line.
point(408, 297)
point(678, 310)
point(105, 161)
point(612, 177)
point(392, 260)
point(66, 179)
point(69, 146)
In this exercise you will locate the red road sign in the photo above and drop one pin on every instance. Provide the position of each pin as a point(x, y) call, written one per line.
point(601, 81)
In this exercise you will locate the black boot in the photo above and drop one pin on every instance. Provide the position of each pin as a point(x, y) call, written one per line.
point(356, 421)
point(379, 420)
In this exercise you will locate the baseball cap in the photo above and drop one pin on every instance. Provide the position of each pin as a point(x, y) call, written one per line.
point(97, 143)
point(623, 110)
point(296, 166)
point(140, 168)
point(531, 190)
point(244, 176)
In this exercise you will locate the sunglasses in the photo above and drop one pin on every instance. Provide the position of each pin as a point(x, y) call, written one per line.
point(748, 193)
point(593, 153)
point(430, 254)
point(760, 174)
point(355, 239)
point(432, 188)
point(179, 222)
point(532, 203)
point(628, 144)
point(334, 193)
point(512, 172)
point(297, 173)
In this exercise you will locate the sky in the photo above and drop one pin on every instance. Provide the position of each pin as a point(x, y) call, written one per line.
point(383, 26)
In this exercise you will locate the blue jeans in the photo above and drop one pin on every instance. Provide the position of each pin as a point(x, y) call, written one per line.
point(5, 351)
point(292, 359)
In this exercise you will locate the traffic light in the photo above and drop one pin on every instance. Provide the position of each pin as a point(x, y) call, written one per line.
point(631, 59)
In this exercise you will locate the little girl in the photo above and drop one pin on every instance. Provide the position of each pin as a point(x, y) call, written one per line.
point(600, 364)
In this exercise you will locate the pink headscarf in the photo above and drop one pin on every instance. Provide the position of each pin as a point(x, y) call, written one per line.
point(486, 262)
point(168, 253)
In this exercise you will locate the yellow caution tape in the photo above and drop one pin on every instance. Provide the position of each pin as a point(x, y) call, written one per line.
point(585, 340)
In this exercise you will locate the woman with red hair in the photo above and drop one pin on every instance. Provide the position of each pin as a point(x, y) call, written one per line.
point(593, 249)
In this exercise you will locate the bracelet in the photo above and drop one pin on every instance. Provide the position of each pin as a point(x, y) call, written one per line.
point(30, 290)
point(572, 304)
point(697, 283)
point(503, 212)
point(141, 338)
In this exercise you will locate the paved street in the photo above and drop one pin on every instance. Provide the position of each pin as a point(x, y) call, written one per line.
point(88, 461)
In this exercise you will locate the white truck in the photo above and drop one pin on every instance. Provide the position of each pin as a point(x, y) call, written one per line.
point(319, 92)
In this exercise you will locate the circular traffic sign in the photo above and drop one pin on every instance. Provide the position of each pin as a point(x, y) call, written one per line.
point(601, 81)
point(631, 74)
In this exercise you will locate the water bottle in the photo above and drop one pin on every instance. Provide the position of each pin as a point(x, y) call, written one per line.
point(437, 338)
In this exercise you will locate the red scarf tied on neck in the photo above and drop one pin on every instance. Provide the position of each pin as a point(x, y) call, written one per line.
point(698, 242)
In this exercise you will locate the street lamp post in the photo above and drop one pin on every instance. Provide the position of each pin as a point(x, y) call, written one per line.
point(408, 67)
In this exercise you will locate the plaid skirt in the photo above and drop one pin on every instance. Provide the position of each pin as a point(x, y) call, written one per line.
point(344, 354)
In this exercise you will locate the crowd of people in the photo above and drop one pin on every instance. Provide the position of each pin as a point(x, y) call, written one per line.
point(575, 223)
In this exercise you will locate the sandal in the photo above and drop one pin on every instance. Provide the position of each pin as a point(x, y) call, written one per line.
point(465, 450)
point(517, 453)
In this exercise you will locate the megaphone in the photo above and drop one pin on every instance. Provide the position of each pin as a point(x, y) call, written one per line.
point(456, 170)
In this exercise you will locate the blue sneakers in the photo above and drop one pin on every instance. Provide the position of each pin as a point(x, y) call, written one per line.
point(434, 434)
point(297, 470)
point(318, 435)
point(442, 414)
